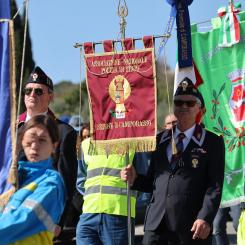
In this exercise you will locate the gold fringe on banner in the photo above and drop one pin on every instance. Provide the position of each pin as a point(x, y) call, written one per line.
point(120, 146)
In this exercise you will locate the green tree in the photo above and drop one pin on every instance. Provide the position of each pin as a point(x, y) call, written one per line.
point(67, 99)
point(165, 85)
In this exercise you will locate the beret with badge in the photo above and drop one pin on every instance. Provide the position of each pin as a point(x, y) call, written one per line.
point(186, 87)
point(38, 76)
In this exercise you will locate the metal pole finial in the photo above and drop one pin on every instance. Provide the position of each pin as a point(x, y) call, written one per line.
point(122, 12)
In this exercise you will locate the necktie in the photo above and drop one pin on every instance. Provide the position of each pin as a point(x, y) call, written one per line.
point(180, 147)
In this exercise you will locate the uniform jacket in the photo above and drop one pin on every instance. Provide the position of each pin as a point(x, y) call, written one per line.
point(66, 152)
point(35, 209)
point(188, 192)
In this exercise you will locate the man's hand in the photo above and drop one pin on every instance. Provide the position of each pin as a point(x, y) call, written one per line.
point(201, 229)
point(57, 230)
point(129, 174)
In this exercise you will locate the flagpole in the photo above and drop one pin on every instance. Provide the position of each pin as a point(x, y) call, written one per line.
point(77, 45)
point(122, 12)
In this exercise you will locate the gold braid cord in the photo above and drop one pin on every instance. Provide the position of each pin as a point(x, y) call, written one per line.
point(13, 173)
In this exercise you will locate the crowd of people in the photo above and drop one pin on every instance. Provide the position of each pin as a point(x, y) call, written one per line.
point(63, 184)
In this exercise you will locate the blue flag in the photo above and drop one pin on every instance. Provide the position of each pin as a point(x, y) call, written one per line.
point(5, 102)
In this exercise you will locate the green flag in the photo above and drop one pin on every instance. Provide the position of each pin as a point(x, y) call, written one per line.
point(223, 73)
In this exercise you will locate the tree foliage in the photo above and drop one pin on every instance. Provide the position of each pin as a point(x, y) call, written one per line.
point(67, 99)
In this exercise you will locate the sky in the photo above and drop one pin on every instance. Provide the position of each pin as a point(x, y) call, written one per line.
point(56, 25)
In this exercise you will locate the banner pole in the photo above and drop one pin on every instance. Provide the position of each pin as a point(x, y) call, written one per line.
point(122, 12)
point(128, 201)
point(77, 45)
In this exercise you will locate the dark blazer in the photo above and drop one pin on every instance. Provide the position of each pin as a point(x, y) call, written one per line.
point(66, 163)
point(188, 192)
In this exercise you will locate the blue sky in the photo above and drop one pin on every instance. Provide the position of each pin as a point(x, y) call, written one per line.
point(56, 25)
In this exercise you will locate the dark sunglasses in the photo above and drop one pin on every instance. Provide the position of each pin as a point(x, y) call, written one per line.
point(37, 91)
point(189, 103)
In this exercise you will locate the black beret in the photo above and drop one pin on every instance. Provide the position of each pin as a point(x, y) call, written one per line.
point(186, 87)
point(39, 76)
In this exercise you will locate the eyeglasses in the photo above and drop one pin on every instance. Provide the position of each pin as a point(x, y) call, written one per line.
point(37, 91)
point(189, 103)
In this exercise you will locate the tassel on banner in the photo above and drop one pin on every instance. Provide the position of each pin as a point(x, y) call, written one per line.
point(230, 28)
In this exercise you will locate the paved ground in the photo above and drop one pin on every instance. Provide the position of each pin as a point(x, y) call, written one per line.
point(230, 231)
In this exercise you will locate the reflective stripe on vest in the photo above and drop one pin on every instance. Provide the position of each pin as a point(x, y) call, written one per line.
point(108, 190)
point(103, 171)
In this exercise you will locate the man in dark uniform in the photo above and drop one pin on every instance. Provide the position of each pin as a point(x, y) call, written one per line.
point(185, 175)
point(38, 95)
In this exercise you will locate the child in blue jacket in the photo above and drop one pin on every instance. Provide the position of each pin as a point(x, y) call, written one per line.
point(31, 215)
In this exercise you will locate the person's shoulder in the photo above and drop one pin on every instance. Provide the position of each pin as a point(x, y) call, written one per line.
point(53, 175)
point(211, 134)
point(64, 125)
point(163, 135)
point(213, 137)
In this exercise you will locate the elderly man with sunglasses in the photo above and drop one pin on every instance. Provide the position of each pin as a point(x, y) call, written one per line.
point(38, 94)
point(185, 176)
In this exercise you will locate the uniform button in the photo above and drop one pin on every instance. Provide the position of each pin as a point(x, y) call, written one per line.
point(168, 195)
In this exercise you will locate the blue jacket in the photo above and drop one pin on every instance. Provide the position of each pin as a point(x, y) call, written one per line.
point(36, 207)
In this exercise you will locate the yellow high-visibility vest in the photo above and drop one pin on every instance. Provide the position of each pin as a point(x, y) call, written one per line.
point(105, 191)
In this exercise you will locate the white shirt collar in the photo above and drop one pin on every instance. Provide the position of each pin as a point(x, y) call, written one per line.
point(188, 133)
point(28, 117)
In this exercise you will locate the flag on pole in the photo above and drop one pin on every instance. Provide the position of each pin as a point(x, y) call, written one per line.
point(230, 28)
point(122, 93)
point(223, 89)
point(7, 108)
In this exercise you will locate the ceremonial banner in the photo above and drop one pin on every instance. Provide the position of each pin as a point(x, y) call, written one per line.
point(7, 91)
point(122, 93)
point(223, 72)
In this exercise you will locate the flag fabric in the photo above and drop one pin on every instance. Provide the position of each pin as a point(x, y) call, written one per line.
point(223, 88)
point(5, 94)
point(191, 72)
point(230, 29)
point(122, 92)
point(181, 12)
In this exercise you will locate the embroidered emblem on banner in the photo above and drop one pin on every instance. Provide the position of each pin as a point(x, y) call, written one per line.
point(119, 91)
point(237, 98)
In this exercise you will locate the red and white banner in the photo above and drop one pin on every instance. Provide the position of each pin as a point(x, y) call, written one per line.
point(122, 93)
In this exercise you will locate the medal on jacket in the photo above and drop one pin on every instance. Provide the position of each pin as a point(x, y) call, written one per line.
point(194, 162)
